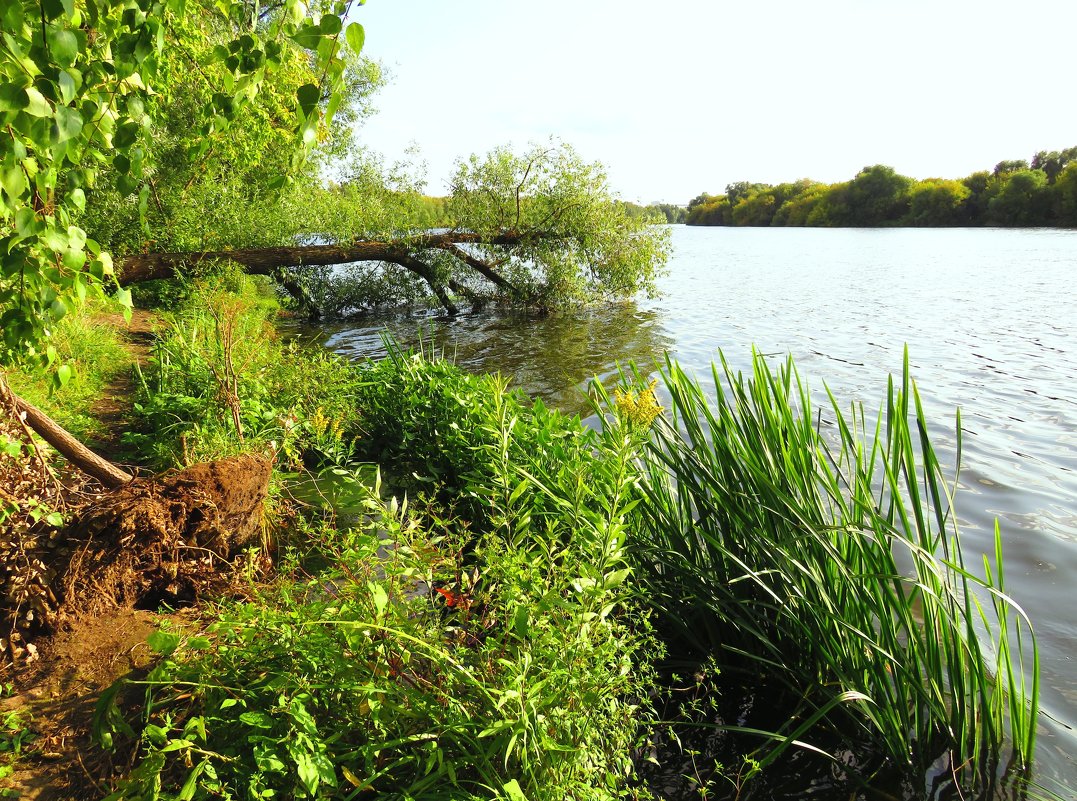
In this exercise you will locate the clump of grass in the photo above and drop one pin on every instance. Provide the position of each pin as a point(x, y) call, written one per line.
point(88, 353)
point(831, 564)
point(220, 382)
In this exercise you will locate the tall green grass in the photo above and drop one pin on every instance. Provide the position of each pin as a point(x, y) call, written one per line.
point(830, 563)
point(478, 639)
point(220, 381)
point(91, 347)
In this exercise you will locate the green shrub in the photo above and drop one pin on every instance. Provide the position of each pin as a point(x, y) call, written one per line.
point(434, 655)
point(432, 425)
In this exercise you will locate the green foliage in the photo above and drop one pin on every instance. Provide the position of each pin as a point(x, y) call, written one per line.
point(1012, 195)
point(484, 634)
point(1053, 163)
point(876, 196)
point(579, 242)
point(936, 202)
point(219, 186)
point(433, 656)
point(87, 353)
point(15, 732)
point(1065, 196)
point(831, 563)
point(220, 381)
point(1021, 198)
point(707, 209)
point(657, 212)
point(798, 208)
point(425, 418)
point(78, 80)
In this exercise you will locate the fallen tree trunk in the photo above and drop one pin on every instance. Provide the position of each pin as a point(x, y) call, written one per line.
point(262, 261)
point(70, 448)
point(411, 254)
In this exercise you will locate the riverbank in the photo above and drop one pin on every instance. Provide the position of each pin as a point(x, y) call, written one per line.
point(503, 620)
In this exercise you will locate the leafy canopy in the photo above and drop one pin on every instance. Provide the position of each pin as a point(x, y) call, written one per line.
point(78, 82)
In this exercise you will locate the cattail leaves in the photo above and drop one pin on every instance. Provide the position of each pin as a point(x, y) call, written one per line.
point(832, 560)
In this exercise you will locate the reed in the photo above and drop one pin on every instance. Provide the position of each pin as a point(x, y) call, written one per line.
point(830, 561)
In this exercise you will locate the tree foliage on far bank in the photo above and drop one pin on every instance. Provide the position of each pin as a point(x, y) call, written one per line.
point(1015, 194)
point(658, 212)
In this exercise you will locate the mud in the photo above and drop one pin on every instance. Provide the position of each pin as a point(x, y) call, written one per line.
point(166, 539)
point(55, 696)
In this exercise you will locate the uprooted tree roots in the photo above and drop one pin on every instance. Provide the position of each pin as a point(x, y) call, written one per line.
point(164, 539)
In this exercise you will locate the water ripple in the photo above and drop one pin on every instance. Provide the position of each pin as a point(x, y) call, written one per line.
point(988, 319)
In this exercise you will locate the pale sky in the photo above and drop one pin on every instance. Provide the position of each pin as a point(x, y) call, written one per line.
point(677, 97)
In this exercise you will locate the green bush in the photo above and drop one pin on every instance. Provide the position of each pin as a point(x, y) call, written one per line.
point(221, 381)
point(434, 655)
point(432, 425)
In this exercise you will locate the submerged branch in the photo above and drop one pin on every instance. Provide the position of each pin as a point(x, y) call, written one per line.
point(485, 270)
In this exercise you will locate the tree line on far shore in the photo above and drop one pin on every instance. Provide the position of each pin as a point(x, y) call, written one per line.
point(433, 212)
point(1015, 194)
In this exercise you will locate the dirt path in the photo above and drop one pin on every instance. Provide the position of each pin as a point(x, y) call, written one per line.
point(52, 698)
point(56, 698)
point(116, 402)
point(159, 542)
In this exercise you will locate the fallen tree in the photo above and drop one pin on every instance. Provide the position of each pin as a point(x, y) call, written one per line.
point(405, 253)
point(102, 175)
point(539, 229)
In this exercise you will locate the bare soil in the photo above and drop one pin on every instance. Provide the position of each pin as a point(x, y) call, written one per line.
point(77, 603)
point(57, 694)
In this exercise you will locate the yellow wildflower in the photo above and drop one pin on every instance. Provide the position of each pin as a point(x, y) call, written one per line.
point(638, 410)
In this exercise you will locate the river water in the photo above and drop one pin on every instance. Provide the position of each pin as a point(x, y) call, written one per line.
point(990, 322)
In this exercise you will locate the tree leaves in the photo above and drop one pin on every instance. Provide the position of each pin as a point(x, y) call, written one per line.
point(68, 124)
point(13, 97)
point(356, 37)
point(71, 102)
point(308, 96)
point(330, 25)
point(37, 105)
point(63, 46)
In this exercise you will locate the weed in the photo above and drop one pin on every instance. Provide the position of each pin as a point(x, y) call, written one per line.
point(430, 653)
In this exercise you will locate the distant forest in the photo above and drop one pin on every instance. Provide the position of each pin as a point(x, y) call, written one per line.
point(433, 212)
point(1014, 194)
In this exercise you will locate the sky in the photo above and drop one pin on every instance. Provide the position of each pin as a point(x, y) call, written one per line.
point(678, 97)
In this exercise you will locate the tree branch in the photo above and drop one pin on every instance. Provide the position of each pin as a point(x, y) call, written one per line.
point(476, 300)
point(295, 287)
point(426, 272)
point(74, 451)
point(484, 269)
point(262, 261)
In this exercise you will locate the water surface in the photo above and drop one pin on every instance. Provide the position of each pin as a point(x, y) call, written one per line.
point(988, 316)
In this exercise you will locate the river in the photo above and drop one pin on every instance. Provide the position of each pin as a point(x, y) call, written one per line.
point(990, 321)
